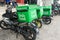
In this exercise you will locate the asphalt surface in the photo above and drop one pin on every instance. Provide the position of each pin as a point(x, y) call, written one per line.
point(47, 32)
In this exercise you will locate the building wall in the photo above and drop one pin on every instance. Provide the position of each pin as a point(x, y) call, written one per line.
point(40, 2)
point(47, 2)
point(2, 0)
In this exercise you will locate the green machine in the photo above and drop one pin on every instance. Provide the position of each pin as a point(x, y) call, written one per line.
point(39, 10)
point(21, 21)
point(26, 13)
point(30, 13)
point(47, 10)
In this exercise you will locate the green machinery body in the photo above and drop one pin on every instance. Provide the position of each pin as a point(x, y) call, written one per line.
point(28, 13)
point(47, 10)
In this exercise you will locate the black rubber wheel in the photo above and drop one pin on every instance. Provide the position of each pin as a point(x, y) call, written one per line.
point(38, 23)
point(47, 20)
point(32, 33)
point(55, 13)
point(3, 25)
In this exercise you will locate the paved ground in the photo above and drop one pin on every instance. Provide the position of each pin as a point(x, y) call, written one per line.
point(52, 31)
point(47, 32)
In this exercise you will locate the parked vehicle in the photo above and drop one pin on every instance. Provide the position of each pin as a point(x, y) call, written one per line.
point(47, 11)
point(16, 21)
point(55, 8)
point(39, 10)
